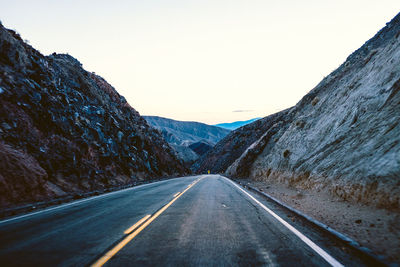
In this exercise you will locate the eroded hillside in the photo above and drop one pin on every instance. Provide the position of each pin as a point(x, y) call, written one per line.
point(235, 143)
point(344, 135)
point(189, 139)
point(66, 130)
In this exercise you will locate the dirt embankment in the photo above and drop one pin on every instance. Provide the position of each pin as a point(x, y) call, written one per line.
point(374, 228)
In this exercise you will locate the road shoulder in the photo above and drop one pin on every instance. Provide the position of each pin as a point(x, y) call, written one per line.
point(374, 228)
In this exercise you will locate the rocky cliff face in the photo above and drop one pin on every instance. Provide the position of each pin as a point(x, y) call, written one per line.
point(65, 130)
point(344, 135)
point(189, 139)
point(234, 144)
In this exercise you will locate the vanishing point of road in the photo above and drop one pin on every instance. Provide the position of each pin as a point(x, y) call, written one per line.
point(203, 220)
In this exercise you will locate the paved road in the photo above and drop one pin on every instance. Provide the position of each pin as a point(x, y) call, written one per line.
point(193, 221)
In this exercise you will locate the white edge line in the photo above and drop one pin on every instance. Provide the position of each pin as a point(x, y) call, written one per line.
point(81, 201)
point(332, 261)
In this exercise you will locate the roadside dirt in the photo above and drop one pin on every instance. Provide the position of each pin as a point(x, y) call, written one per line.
point(376, 229)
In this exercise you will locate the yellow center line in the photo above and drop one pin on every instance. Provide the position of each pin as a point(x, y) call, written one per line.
point(126, 240)
point(177, 194)
point(133, 227)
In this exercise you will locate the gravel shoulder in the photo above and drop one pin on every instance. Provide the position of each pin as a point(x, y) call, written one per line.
point(374, 228)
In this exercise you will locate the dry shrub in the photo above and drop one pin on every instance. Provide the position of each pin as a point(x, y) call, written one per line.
point(315, 101)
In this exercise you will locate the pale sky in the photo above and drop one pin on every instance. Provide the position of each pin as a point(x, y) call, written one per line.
point(211, 61)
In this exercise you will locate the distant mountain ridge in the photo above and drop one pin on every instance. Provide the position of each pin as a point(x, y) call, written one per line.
point(236, 124)
point(189, 139)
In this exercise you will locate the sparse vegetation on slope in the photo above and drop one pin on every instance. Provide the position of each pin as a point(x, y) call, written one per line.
point(70, 128)
point(235, 143)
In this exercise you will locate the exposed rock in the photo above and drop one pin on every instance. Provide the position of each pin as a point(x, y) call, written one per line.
point(234, 144)
point(21, 176)
point(66, 130)
point(344, 135)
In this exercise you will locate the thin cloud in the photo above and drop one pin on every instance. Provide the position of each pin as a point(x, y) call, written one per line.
point(243, 110)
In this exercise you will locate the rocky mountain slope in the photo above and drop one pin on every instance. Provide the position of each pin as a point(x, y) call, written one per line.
point(344, 135)
point(189, 139)
point(236, 124)
point(234, 144)
point(65, 130)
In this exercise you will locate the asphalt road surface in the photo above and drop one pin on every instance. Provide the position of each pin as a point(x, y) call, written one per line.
point(194, 221)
